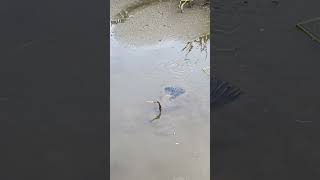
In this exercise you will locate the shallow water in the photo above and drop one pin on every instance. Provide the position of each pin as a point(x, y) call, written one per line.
point(177, 145)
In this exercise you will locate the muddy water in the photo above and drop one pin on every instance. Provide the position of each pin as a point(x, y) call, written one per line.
point(177, 145)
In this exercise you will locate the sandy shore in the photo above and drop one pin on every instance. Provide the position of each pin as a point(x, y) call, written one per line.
point(160, 21)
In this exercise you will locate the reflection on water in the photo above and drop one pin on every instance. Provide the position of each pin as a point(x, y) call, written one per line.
point(177, 145)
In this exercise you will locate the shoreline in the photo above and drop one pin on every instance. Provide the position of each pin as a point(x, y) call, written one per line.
point(160, 21)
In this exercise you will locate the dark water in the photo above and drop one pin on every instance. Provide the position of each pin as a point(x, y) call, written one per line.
point(272, 131)
point(53, 90)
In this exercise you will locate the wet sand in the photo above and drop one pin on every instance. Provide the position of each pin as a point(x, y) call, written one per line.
point(272, 131)
point(160, 21)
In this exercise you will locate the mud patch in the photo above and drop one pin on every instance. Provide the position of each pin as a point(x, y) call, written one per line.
point(155, 22)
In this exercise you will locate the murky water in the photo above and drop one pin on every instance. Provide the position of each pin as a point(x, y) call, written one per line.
point(176, 146)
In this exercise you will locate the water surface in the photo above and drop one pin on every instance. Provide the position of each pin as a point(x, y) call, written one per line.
point(177, 145)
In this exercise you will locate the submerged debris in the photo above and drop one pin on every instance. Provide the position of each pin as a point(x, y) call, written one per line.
point(123, 15)
point(190, 3)
point(311, 28)
point(117, 21)
point(188, 47)
point(184, 2)
point(222, 92)
point(201, 42)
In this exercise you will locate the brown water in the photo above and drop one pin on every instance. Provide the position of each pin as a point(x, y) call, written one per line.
point(176, 146)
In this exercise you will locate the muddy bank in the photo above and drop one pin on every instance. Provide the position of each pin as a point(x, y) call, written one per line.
point(160, 21)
